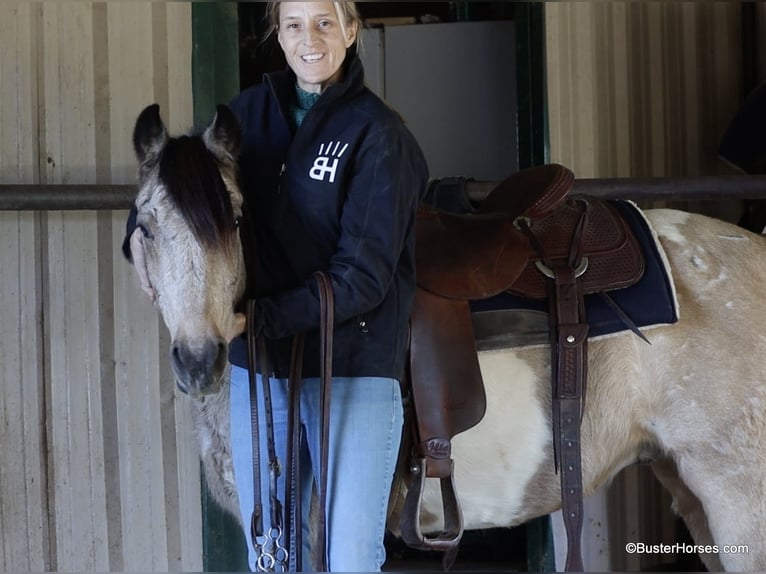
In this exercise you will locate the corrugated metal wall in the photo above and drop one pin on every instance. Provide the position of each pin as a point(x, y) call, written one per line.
point(98, 469)
point(640, 89)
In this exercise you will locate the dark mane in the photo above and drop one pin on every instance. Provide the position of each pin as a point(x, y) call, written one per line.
point(193, 181)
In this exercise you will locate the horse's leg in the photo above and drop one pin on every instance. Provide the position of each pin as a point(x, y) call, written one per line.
point(689, 508)
point(729, 489)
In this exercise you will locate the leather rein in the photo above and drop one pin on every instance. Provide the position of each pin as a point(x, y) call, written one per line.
point(280, 545)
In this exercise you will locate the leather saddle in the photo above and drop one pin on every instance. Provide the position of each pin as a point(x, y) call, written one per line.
point(527, 234)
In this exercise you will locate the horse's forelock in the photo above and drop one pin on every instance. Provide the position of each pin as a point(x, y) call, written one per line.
point(194, 184)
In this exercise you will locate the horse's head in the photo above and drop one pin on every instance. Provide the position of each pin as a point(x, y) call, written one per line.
point(189, 208)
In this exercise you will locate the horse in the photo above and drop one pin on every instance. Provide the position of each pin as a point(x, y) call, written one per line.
point(692, 403)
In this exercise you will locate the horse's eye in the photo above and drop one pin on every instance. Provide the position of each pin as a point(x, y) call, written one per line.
point(145, 230)
point(237, 222)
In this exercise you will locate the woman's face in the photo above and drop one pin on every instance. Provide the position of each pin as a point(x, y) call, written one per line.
point(314, 41)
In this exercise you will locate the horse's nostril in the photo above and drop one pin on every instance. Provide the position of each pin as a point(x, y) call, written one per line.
point(222, 354)
point(201, 361)
point(182, 359)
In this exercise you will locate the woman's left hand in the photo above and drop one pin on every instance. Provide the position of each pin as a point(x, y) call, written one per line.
point(139, 263)
point(238, 326)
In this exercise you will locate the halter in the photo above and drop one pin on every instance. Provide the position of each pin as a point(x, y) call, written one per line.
point(272, 553)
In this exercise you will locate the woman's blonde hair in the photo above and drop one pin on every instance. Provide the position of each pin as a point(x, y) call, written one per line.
point(347, 13)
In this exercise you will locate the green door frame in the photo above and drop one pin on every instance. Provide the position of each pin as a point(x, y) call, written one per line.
point(532, 94)
point(533, 149)
point(215, 57)
point(215, 79)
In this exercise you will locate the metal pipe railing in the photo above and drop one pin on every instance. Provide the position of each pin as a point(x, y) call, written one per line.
point(54, 197)
point(66, 197)
point(657, 188)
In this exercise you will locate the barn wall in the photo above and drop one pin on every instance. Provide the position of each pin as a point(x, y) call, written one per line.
point(98, 470)
point(640, 89)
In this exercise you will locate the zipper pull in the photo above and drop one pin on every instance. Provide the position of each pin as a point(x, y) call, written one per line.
point(279, 185)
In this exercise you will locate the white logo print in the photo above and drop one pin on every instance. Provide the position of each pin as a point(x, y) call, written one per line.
point(327, 161)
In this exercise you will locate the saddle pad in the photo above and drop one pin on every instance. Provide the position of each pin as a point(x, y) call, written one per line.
point(649, 302)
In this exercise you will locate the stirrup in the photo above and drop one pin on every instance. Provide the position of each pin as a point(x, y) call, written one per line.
point(449, 538)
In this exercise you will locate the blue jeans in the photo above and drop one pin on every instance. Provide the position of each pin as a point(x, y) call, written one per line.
point(366, 418)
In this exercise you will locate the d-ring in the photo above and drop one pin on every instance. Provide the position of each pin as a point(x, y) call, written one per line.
point(582, 267)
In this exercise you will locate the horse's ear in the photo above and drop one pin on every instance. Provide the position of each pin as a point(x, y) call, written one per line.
point(224, 135)
point(149, 135)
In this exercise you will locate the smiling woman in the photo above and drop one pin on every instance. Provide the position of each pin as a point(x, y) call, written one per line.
point(314, 41)
point(314, 37)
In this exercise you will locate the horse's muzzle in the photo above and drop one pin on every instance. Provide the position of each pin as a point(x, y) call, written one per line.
point(199, 369)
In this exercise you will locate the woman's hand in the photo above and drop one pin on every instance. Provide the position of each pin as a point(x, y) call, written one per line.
point(139, 263)
point(238, 327)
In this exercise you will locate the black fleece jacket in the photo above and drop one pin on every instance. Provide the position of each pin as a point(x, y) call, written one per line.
point(340, 195)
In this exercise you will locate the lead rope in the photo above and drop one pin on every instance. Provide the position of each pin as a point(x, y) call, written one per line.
point(269, 550)
point(326, 311)
point(293, 512)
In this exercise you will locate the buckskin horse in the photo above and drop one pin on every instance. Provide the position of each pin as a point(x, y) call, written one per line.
point(692, 402)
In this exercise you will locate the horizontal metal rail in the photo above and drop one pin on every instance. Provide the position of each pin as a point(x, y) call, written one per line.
point(657, 188)
point(68, 197)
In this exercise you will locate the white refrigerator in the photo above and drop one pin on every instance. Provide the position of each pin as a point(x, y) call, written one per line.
point(455, 86)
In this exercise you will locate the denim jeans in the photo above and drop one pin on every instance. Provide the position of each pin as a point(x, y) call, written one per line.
point(366, 418)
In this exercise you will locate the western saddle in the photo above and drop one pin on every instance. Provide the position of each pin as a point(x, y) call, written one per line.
point(531, 238)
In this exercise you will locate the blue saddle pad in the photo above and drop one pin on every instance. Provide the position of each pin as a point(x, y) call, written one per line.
point(651, 301)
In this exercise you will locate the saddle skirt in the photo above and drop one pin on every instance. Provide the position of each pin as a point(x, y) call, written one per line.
point(509, 320)
point(614, 258)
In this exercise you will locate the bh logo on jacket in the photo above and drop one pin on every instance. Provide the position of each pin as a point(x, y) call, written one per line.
point(326, 162)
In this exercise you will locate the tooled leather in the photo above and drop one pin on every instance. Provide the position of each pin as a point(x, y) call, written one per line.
point(614, 256)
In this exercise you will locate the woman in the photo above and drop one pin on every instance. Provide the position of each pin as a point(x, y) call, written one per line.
point(332, 180)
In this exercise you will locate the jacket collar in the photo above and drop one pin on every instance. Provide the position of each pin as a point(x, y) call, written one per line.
point(282, 84)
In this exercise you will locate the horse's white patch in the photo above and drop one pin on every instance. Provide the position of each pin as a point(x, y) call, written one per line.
point(667, 224)
point(699, 262)
point(729, 305)
point(714, 283)
point(511, 439)
point(732, 237)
